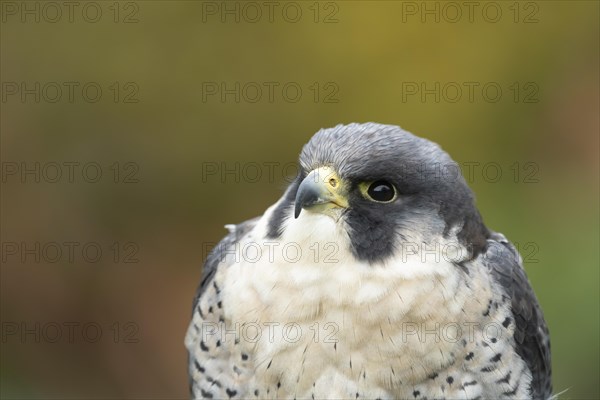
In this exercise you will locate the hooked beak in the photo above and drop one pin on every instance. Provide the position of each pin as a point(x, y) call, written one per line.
point(321, 191)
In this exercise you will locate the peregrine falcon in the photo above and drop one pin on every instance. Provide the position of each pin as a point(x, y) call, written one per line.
point(372, 277)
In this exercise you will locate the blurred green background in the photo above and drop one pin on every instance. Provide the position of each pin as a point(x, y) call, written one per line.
point(161, 118)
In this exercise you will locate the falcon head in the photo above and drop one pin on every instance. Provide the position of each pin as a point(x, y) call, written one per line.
point(380, 186)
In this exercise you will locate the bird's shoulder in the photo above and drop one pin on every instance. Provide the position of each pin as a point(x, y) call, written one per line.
point(215, 257)
point(532, 339)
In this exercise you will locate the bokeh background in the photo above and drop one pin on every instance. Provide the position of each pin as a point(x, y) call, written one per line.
point(163, 135)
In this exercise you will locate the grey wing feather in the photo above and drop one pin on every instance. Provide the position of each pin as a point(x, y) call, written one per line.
point(531, 333)
point(236, 232)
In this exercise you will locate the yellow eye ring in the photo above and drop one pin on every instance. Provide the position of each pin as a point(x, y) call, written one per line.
point(379, 191)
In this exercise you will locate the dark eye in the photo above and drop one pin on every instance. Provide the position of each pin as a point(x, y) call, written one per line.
point(381, 191)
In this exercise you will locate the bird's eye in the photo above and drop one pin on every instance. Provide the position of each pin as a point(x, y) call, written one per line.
point(381, 191)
